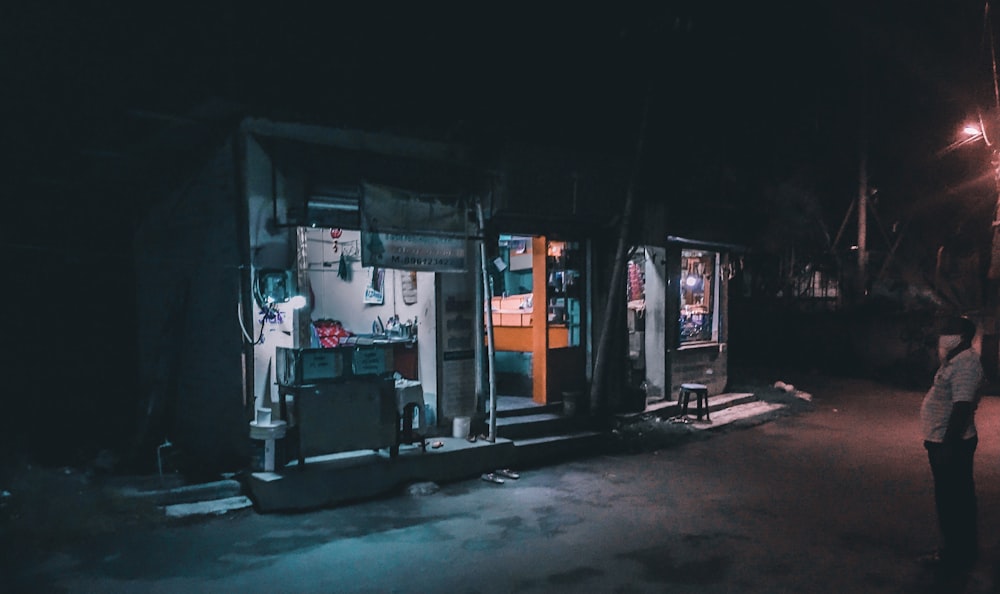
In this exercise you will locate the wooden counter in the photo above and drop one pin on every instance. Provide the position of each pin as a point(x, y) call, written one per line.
point(519, 338)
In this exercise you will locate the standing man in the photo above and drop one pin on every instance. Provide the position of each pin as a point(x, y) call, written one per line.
point(949, 430)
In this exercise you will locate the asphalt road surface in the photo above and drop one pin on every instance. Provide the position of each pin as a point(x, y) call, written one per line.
point(837, 499)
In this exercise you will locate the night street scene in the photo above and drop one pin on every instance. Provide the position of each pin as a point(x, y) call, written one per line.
point(610, 297)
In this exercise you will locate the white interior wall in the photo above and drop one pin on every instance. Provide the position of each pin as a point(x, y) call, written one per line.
point(340, 299)
point(656, 322)
point(271, 246)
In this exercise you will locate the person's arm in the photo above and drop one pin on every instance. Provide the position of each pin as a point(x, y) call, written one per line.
point(965, 380)
point(961, 412)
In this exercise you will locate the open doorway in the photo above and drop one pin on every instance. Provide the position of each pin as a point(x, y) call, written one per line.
point(646, 285)
point(537, 303)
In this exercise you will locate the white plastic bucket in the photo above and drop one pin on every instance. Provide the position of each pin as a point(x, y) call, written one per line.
point(263, 416)
point(460, 427)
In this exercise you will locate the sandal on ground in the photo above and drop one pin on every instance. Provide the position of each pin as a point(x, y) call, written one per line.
point(471, 439)
point(508, 473)
point(490, 477)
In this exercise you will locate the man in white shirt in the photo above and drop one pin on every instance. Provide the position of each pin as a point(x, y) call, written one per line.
point(947, 418)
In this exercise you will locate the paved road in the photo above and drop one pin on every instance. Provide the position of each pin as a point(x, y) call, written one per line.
point(834, 500)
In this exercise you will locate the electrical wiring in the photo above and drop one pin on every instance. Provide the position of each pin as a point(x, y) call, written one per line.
point(260, 338)
point(239, 317)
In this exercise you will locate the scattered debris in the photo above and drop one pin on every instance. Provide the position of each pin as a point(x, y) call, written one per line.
point(804, 396)
point(780, 385)
point(423, 488)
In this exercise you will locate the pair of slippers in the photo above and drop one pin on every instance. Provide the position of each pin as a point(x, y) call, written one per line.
point(498, 476)
point(473, 438)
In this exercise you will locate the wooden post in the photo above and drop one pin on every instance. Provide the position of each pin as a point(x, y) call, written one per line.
point(488, 315)
point(616, 293)
point(863, 223)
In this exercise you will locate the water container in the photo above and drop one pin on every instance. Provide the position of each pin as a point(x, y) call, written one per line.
point(460, 427)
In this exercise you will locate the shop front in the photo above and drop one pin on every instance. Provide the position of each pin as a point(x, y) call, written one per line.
point(318, 291)
point(539, 305)
point(363, 326)
point(678, 297)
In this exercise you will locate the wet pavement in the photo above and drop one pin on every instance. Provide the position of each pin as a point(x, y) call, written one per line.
point(835, 498)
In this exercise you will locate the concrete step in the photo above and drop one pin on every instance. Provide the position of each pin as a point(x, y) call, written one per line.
point(741, 412)
point(213, 507)
point(716, 403)
point(186, 493)
point(536, 425)
point(539, 451)
point(335, 479)
point(553, 408)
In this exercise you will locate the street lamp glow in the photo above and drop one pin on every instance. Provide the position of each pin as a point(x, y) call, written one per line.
point(972, 130)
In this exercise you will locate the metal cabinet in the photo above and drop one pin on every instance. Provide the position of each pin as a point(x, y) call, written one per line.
point(355, 414)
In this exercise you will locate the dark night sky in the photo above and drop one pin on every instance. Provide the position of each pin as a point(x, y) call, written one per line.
point(766, 82)
point(756, 94)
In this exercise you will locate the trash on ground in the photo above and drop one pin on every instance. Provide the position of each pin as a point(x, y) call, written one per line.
point(422, 488)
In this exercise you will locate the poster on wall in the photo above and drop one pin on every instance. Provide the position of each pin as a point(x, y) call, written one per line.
point(456, 329)
point(374, 293)
point(409, 231)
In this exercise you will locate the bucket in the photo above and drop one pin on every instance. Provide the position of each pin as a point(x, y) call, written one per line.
point(263, 416)
point(460, 427)
point(573, 403)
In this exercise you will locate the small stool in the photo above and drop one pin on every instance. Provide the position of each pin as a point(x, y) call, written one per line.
point(700, 392)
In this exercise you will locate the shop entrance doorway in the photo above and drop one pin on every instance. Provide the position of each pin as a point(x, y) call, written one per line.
point(646, 290)
point(537, 303)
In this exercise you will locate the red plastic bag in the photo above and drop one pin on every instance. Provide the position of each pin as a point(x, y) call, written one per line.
point(329, 332)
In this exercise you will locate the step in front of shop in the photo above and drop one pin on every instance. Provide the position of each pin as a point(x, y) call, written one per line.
point(716, 403)
point(524, 426)
point(539, 451)
point(747, 412)
point(351, 476)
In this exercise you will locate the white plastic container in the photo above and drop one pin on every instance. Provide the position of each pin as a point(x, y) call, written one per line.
point(460, 427)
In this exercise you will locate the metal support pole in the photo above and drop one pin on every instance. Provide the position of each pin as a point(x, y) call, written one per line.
point(488, 314)
point(863, 223)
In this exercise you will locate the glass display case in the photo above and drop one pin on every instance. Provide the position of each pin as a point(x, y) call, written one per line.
point(699, 281)
point(564, 292)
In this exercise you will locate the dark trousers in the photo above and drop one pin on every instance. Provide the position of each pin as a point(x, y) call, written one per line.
point(955, 498)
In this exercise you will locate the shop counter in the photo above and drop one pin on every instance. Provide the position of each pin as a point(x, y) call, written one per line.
point(356, 414)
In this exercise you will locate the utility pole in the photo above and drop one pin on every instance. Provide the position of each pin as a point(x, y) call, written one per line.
point(863, 220)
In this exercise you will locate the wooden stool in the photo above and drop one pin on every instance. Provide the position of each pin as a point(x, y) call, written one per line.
point(700, 392)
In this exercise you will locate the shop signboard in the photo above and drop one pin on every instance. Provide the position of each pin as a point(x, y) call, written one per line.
point(408, 231)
